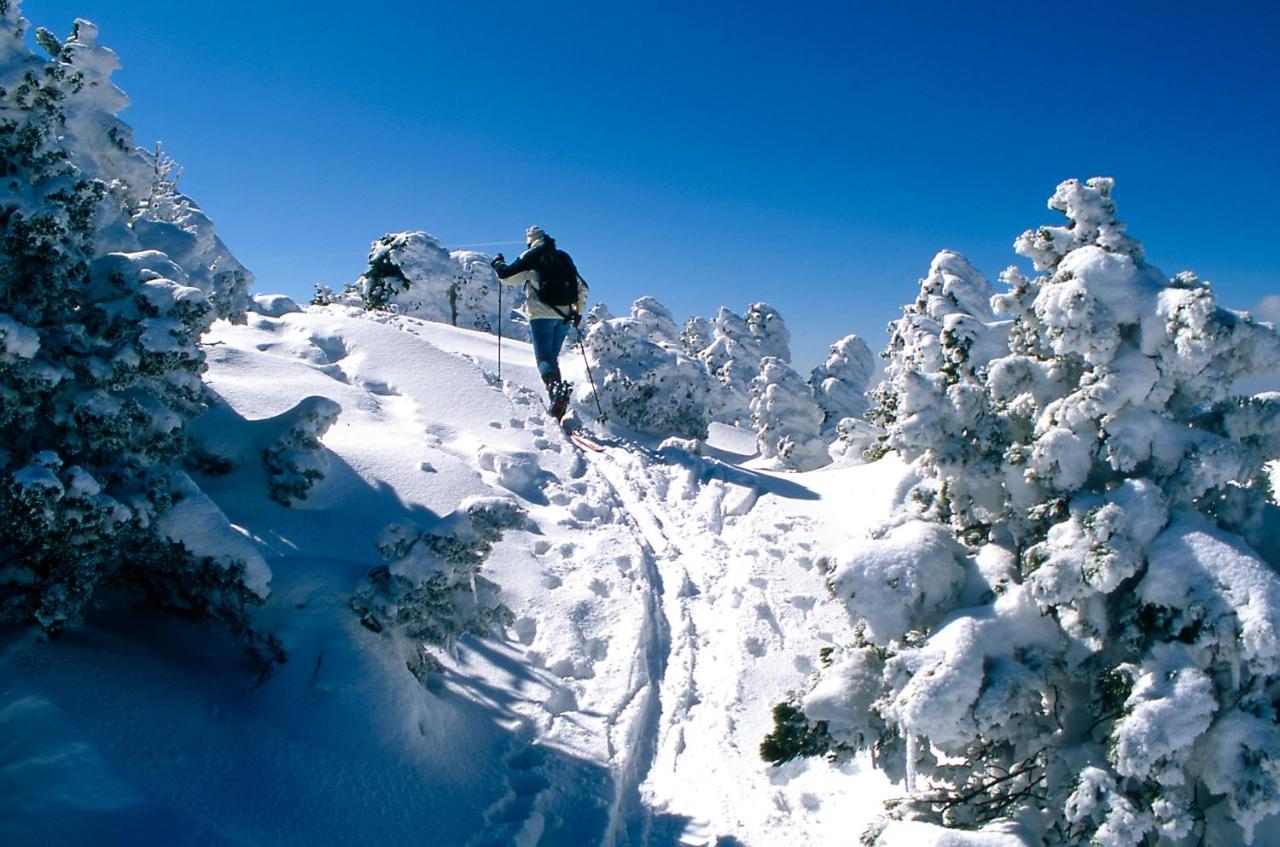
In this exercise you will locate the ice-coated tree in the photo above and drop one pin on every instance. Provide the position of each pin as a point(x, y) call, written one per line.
point(1095, 649)
point(840, 383)
point(786, 418)
point(413, 274)
point(648, 387)
point(99, 368)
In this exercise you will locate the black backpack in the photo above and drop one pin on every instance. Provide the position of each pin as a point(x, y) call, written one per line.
point(557, 278)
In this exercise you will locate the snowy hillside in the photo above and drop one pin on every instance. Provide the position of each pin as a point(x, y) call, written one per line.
point(661, 603)
point(283, 576)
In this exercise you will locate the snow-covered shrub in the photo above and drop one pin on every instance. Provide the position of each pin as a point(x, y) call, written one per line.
point(273, 305)
point(786, 418)
point(100, 368)
point(296, 459)
point(431, 592)
point(411, 273)
point(643, 384)
point(839, 384)
point(1103, 653)
point(731, 349)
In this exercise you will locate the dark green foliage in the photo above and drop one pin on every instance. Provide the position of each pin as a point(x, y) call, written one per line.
point(793, 736)
point(385, 279)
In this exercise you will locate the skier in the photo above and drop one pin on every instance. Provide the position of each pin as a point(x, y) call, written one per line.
point(555, 297)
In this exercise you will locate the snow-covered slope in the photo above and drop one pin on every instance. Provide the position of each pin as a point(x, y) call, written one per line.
point(662, 603)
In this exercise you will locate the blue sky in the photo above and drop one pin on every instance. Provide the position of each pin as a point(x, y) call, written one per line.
point(814, 156)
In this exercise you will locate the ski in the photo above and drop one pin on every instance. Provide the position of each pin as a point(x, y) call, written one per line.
point(586, 443)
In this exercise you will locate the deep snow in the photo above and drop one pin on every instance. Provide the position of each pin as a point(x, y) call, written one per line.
point(663, 602)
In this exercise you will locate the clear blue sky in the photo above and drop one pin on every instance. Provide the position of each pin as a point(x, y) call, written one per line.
point(814, 156)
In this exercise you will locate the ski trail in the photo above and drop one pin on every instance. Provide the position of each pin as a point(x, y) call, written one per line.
point(671, 691)
point(596, 493)
point(636, 753)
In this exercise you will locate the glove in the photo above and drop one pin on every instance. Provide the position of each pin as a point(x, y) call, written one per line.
point(577, 321)
point(498, 261)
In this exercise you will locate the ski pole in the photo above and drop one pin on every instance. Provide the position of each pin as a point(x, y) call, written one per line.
point(583, 347)
point(499, 330)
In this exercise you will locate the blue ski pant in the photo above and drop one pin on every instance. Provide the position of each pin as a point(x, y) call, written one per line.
point(548, 337)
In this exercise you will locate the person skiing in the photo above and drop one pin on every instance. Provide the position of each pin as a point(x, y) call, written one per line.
point(555, 298)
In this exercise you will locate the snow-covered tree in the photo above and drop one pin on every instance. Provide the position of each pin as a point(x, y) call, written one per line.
point(1097, 648)
point(413, 274)
point(142, 198)
point(656, 322)
point(931, 405)
point(597, 313)
point(733, 359)
point(772, 338)
point(840, 383)
point(99, 363)
point(647, 386)
point(695, 336)
point(431, 592)
point(786, 418)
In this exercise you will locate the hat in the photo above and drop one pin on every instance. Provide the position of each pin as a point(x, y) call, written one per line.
point(534, 233)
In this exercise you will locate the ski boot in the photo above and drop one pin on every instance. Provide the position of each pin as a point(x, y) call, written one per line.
point(560, 393)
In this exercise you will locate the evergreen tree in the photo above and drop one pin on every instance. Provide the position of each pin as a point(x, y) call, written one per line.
point(1098, 645)
point(733, 359)
point(695, 336)
point(413, 274)
point(839, 384)
point(787, 420)
point(647, 386)
point(99, 367)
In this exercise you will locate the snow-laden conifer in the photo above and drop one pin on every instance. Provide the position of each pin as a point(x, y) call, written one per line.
point(840, 383)
point(786, 418)
point(413, 274)
point(644, 385)
point(733, 360)
point(695, 336)
point(1104, 650)
point(656, 322)
point(771, 335)
point(142, 207)
point(930, 404)
point(100, 369)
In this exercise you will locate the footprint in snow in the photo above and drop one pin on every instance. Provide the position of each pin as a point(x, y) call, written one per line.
point(514, 819)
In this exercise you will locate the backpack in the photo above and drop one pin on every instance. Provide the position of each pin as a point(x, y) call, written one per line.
point(557, 279)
